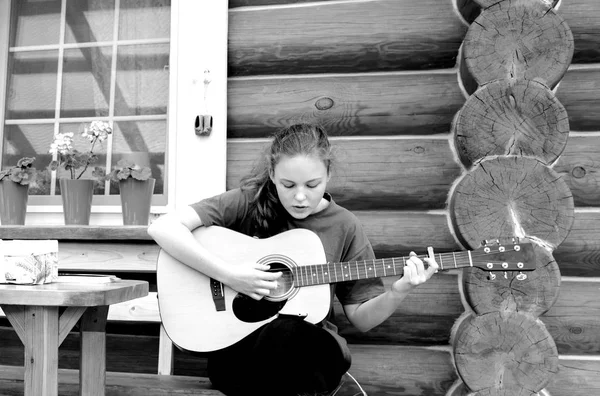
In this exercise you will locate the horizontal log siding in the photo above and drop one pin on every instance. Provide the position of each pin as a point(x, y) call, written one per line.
point(378, 104)
point(266, 37)
point(344, 37)
point(416, 173)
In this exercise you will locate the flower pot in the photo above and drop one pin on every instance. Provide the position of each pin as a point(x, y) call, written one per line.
point(76, 197)
point(136, 199)
point(13, 202)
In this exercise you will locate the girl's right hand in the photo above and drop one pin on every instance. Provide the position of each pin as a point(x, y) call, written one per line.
point(253, 280)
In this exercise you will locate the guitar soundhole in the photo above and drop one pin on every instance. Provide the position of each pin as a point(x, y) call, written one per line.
point(249, 310)
point(284, 284)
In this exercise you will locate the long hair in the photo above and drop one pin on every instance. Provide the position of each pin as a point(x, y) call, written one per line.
point(298, 139)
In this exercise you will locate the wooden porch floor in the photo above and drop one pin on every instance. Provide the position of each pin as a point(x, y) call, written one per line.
point(117, 384)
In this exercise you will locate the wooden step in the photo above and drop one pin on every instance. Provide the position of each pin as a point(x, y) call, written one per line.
point(131, 384)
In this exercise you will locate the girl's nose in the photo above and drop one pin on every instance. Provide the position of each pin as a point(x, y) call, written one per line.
point(300, 195)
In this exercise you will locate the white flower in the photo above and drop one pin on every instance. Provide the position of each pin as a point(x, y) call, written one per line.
point(98, 130)
point(63, 143)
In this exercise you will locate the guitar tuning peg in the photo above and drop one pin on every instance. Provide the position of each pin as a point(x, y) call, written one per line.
point(492, 276)
point(521, 276)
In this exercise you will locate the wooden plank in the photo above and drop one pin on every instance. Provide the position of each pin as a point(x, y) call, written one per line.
point(344, 37)
point(574, 319)
point(246, 3)
point(579, 91)
point(75, 232)
point(117, 383)
point(396, 233)
point(107, 257)
point(579, 254)
point(576, 377)
point(579, 166)
point(378, 104)
point(583, 19)
point(408, 371)
point(425, 317)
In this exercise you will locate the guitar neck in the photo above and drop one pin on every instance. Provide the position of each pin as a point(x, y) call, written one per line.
point(319, 274)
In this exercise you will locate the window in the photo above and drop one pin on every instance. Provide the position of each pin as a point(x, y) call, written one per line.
point(70, 62)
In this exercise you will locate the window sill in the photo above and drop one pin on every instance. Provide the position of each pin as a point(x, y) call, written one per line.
point(74, 232)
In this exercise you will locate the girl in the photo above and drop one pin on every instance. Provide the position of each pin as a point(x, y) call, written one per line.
point(287, 356)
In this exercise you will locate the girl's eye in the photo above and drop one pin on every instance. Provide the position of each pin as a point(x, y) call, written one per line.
point(312, 185)
point(288, 185)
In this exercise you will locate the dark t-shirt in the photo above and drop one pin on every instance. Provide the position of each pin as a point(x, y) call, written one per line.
point(340, 231)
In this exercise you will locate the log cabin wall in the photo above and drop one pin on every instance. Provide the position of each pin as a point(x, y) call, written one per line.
point(386, 79)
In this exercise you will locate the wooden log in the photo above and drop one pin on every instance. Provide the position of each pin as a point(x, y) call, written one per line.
point(584, 20)
point(248, 3)
point(508, 292)
point(421, 176)
point(511, 117)
point(579, 254)
point(578, 92)
point(378, 104)
point(345, 104)
point(511, 196)
point(520, 39)
point(577, 377)
point(487, 3)
point(425, 317)
point(344, 37)
point(574, 320)
point(417, 172)
point(577, 166)
point(504, 351)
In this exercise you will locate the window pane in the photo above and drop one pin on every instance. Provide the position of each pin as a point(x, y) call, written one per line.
point(86, 82)
point(30, 141)
point(35, 22)
point(144, 19)
point(143, 142)
point(142, 80)
point(32, 84)
point(89, 21)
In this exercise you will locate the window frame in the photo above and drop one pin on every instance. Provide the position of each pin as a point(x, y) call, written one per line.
point(195, 165)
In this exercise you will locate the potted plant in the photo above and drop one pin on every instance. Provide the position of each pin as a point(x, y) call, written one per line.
point(136, 188)
point(76, 192)
point(14, 191)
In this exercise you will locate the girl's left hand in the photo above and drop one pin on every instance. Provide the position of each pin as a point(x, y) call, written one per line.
point(415, 272)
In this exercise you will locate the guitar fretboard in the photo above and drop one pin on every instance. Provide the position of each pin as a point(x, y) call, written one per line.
point(319, 274)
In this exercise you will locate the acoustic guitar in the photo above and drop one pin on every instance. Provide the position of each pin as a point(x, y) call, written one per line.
point(200, 314)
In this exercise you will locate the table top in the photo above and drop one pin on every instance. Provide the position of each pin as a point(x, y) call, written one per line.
point(73, 294)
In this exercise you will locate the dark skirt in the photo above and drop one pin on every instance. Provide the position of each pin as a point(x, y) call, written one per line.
point(287, 356)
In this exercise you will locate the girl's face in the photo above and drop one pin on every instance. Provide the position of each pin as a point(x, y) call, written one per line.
point(300, 182)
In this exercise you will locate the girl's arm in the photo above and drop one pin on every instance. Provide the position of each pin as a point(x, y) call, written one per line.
point(373, 312)
point(173, 233)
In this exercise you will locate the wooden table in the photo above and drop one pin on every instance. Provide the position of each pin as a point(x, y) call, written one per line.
point(33, 311)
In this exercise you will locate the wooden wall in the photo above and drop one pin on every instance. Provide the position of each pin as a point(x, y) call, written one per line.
point(384, 78)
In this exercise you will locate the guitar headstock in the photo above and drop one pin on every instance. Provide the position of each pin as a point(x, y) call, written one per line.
point(504, 254)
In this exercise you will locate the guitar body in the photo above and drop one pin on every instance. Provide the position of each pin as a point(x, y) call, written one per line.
point(195, 322)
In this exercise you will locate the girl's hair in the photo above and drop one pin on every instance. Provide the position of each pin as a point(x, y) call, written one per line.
point(299, 139)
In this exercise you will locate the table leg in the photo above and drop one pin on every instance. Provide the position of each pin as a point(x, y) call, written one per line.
point(41, 351)
point(92, 363)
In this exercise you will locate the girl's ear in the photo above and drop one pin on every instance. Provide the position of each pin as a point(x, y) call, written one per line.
point(272, 176)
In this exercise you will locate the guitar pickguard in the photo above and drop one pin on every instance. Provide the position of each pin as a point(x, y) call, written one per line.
point(249, 310)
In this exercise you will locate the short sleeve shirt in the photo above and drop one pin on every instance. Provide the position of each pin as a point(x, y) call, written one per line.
point(340, 231)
